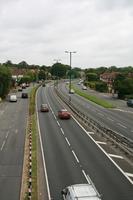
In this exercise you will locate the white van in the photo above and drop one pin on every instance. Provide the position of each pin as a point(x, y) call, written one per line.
point(81, 192)
point(13, 98)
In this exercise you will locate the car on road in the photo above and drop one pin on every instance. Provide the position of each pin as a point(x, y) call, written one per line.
point(80, 191)
point(20, 89)
point(24, 95)
point(13, 98)
point(71, 91)
point(84, 87)
point(130, 102)
point(44, 108)
point(64, 114)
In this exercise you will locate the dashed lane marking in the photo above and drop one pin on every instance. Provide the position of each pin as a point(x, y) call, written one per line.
point(115, 156)
point(85, 176)
point(110, 119)
point(62, 131)
point(58, 123)
point(100, 142)
point(7, 134)
point(3, 145)
point(67, 141)
point(121, 125)
point(75, 156)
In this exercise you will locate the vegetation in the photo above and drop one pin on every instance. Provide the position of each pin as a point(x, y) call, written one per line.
point(5, 81)
point(94, 99)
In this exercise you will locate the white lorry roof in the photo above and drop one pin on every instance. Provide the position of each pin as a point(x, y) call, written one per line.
point(84, 192)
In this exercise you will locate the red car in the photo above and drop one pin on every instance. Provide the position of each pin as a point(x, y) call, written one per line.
point(64, 114)
point(44, 108)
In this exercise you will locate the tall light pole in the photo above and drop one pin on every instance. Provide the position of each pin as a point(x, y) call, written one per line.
point(70, 52)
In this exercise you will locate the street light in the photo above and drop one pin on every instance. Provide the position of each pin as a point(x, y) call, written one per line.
point(70, 52)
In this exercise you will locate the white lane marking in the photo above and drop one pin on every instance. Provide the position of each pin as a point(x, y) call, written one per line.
point(85, 176)
point(121, 125)
point(7, 134)
point(54, 116)
point(62, 131)
point(75, 156)
point(101, 114)
point(3, 145)
point(100, 142)
point(90, 133)
point(104, 152)
point(58, 123)
point(67, 141)
point(16, 131)
point(110, 119)
point(129, 174)
point(115, 156)
point(44, 164)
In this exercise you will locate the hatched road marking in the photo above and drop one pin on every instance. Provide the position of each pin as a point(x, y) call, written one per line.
point(115, 156)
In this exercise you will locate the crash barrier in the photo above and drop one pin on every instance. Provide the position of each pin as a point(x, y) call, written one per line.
point(124, 143)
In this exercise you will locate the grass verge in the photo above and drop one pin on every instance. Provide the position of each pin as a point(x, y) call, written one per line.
point(94, 99)
point(34, 143)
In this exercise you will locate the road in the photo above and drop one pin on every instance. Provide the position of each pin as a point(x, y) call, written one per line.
point(13, 119)
point(119, 119)
point(71, 154)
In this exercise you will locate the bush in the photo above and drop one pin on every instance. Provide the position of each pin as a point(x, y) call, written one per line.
point(101, 87)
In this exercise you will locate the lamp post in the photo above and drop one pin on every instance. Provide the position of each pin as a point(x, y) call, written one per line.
point(70, 52)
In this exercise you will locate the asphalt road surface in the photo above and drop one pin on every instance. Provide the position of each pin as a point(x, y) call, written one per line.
point(13, 118)
point(71, 155)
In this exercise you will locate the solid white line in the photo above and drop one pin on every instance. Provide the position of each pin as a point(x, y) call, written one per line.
point(62, 131)
point(121, 125)
point(110, 119)
point(75, 156)
point(99, 142)
point(67, 141)
point(115, 156)
point(44, 164)
point(129, 174)
point(85, 176)
point(104, 152)
point(3, 145)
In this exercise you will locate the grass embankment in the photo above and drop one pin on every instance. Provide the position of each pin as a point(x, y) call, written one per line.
point(94, 99)
point(32, 115)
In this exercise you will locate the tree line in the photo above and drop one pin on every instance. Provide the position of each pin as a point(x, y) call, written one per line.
point(122, 84)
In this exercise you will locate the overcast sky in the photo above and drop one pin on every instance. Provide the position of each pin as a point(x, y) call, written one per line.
point(39, 31)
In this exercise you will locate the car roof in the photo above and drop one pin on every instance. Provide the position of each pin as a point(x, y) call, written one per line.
point(63, 110)
point(84, 192)
point(44, 104)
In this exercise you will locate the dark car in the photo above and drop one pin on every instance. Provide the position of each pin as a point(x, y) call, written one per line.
point(64, 114)
point(20, 89)
point(130, 102)
point(24, 95)
point(44, 108)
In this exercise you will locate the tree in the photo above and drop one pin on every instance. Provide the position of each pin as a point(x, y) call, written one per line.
point(91, 77)
point(5, 80)
point(59, 70)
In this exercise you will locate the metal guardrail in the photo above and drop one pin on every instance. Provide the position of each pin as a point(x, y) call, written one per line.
point(121, 141)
